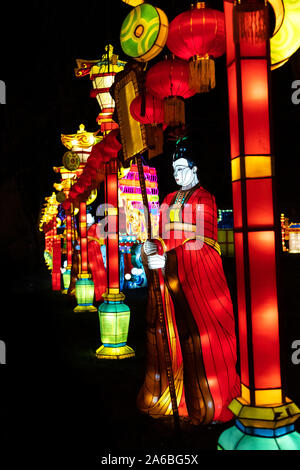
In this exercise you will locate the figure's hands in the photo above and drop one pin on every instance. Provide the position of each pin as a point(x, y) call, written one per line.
point(156, 261)
point(150, 248)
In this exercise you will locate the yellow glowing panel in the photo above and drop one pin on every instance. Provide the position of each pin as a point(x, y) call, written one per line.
point(245, 392)
point(258, 167)
point(236, 169)
point(286, 40)
point(268, 397)
point(133, 3)
point(133, 133)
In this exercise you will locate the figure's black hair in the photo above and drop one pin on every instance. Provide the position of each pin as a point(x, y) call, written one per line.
point(184, 150)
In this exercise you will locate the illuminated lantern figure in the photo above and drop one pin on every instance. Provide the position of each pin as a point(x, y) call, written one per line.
point(197, 306)
point(198, 35)
point(102, 73)
point(264, 415)
point(81, 144)
point(169, 80)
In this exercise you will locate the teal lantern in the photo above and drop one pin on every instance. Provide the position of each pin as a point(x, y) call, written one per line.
point(114, 317)
point(84, 291)
point(66, 280)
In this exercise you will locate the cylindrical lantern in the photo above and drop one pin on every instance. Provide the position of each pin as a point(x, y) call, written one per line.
point(198, 35)
point(169, 80)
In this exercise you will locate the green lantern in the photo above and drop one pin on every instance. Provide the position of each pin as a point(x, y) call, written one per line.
point(84, 291)
point(66, 280)
point(114, 317)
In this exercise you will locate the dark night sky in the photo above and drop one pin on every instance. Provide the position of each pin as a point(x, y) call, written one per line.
point(44, 99)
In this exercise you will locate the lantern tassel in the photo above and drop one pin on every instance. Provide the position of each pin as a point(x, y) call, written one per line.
point(202, 74)
point(174, 111)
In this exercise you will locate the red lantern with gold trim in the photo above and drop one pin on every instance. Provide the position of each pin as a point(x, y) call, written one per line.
point(198, 35)
point(169, 80)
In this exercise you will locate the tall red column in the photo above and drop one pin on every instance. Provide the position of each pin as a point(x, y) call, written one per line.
point(262, 403)
point(83, 238)
point(112, 257)
point(56, 258)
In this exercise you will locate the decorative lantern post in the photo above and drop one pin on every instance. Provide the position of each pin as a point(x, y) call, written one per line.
point(102, 73)
point(114, 315)
point(82, 144)
point(264, 415)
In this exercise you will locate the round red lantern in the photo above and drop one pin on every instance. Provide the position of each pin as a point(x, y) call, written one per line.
point(198, 35)
point(169, 80)
point(149, 111)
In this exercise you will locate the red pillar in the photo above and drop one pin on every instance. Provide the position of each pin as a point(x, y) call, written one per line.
point(83, 238)
point(56, 258)
point(112, 246)
point(248, 68)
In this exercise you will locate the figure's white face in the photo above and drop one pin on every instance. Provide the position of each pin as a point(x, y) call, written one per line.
point(183, 174)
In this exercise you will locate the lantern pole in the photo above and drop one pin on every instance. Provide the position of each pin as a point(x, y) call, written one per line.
point(264, 415)
point(155, 279)
point(82, 143)
point(114, 315)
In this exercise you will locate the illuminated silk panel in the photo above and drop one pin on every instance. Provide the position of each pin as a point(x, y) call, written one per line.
point(264, 310)
point(252, 193)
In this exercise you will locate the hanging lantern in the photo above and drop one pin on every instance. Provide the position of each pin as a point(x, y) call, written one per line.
point(84, 289)
point(169, 80)
point(147, 109)
point(198, 35)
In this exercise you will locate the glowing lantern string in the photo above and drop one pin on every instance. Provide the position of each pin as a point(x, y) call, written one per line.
point(198, 35)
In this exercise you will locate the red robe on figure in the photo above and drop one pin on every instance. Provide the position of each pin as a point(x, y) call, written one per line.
point(199, 316)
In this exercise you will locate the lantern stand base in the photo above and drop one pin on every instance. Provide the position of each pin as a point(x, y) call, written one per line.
point(84, 289)
point(114, 318)
point(261, 427)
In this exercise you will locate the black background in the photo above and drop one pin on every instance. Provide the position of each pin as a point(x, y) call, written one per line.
point(40, 42)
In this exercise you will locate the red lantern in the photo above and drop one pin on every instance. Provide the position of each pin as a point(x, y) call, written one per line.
point(153, 112)
point(169, 80)
point(198, 35)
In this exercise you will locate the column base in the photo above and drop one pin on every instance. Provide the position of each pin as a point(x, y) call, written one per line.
point(239, 437)
point(261, 427)
point(107, 352)
point(85, 308)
